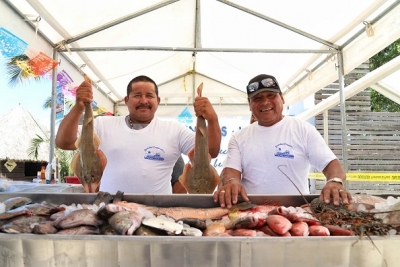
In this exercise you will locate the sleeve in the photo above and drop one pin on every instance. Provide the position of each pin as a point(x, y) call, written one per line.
point(177, 170)
point(186, 140)
point(233, 158)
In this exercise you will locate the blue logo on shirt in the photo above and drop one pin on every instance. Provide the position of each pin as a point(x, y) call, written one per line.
point(284, 151)
point(154, 153)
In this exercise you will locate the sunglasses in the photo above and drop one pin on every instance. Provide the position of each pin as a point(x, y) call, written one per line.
point(266, 83)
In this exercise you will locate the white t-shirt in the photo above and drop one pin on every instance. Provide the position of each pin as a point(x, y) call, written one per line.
point(141, 161)
point(257, 151)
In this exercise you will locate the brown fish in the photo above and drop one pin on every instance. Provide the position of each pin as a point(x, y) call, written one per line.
point(126, 222)
point(22, 224)
point(200, 177)
point(77, 218)
point(88, 164)
point(178, 213)
point(80, 230)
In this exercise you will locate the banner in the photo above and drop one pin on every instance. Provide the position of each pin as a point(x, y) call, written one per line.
point(363, 176)
point(11, 45)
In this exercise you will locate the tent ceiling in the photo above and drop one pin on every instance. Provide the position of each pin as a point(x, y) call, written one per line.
point(225, 41)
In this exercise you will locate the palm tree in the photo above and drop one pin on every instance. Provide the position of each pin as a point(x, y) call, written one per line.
point(64, 156)
point(18, 70)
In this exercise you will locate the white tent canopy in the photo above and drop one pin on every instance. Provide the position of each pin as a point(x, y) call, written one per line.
point(221, 43)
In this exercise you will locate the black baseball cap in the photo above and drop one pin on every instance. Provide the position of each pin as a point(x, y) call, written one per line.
point(262, 83)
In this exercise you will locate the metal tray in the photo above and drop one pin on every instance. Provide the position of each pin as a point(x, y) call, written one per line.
point(56, 250)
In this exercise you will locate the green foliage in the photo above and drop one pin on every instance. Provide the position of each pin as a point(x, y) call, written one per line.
point(379, 102)
point(15, 73)
point(64, 156)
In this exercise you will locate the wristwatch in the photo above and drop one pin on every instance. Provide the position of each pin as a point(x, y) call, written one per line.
point(336, 180)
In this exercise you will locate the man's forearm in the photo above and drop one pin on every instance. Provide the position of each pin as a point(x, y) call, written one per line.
point(66, 134)
point(214, 138)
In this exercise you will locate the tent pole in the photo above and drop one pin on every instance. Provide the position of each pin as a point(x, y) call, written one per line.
point(53, 108)
point(343, 113)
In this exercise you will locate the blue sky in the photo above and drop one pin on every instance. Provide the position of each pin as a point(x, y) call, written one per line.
point(31, 94)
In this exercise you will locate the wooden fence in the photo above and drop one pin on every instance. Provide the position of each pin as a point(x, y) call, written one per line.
point(373, 138)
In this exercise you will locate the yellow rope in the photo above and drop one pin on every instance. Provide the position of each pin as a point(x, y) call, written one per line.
point(184, 78)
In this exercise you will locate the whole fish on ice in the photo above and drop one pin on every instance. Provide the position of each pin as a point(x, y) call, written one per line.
point(88, 164)
point(178, 213)
point(200, 177)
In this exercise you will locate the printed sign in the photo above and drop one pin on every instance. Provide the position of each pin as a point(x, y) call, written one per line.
point(10, 165)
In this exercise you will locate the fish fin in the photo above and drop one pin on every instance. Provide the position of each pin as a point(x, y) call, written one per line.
point(183, 178)
point(191, 154)
point(103, 158)
point(75, 164)
point(85, 188)
point(200, 89)
point(94, 187)
point(77, 142)
point(202, 131)
point(89, 120)
point(215, 176)
point(96, 141)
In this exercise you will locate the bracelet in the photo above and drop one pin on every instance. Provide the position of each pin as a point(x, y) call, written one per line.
point(231, 179)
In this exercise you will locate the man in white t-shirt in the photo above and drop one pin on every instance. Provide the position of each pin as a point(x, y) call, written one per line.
point(269, 156)
point(141, 150)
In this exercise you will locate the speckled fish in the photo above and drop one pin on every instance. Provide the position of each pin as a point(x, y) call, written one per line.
point(88, 164)
point(200, 177)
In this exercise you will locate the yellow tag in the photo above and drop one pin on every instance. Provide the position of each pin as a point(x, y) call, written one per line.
point(10, 165)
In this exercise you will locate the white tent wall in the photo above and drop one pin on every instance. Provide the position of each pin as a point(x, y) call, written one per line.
point(175, 95)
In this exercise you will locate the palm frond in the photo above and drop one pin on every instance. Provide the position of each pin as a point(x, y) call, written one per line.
point(33, 149)
point(47, 103)
point(69, 103)
point(15, 74)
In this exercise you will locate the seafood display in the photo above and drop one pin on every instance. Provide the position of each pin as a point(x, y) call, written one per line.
point(89, 163)
point(199, 176)
point(114, 216)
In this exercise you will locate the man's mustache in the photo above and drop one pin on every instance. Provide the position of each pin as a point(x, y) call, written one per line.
point(143, 106)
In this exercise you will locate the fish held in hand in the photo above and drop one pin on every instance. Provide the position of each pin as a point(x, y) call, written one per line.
point(89, 163)
point(199, 176)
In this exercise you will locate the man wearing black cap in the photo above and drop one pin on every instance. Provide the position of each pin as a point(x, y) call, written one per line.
point(269, 156)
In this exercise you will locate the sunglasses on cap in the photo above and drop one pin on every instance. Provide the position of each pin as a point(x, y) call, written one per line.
point(265, 83)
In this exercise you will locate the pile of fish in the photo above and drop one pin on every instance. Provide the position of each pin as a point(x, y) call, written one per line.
point(110, 215)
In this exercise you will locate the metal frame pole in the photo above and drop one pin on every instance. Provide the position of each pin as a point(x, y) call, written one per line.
point(343, 113)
